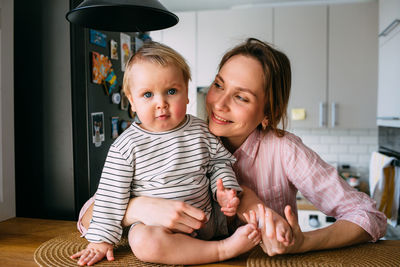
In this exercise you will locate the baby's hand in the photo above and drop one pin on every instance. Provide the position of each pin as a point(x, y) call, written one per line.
point(94, 252)
point(227, 199)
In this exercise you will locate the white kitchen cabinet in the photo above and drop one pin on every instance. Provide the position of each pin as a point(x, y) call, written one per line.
point(334, 54)
point(333, 51)
point(301, 33)
point(389, 13)
point(353, 65)
point(220, 30)
point(182, 37)
point(388, 113)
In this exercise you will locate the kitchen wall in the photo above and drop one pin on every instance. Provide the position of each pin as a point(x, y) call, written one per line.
point(342, 146)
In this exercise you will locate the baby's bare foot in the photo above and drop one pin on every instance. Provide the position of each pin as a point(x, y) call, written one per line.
point(245, 238)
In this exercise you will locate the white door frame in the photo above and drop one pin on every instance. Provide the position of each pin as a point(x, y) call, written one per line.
point(7, 164)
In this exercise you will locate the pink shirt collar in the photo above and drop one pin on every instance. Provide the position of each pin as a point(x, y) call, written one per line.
point(250, 145)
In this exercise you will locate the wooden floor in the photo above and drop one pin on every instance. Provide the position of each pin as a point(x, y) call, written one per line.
point(20, 237)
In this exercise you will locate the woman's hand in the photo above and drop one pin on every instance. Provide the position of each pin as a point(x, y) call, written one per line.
point(279, 236)
point(94, 252)
point(174, 215)
point(298, 236)
point(275, 238)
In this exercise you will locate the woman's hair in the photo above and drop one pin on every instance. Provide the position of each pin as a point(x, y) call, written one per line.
point(156, 53)
point(277, 79)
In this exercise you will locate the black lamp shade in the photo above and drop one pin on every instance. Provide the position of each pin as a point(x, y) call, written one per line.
point(122, 15)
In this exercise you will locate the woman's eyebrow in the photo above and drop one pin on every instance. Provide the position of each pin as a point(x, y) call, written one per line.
point(241, 89)
point(219, 77)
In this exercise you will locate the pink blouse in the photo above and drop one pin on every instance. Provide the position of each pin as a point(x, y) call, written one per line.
point(277, 167)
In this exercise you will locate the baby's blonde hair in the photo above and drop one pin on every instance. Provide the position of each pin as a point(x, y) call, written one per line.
point(157, 53)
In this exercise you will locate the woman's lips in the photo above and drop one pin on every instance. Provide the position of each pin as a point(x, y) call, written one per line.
point(219, 120)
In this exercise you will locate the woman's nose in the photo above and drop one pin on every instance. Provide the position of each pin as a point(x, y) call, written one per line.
point(222, 101)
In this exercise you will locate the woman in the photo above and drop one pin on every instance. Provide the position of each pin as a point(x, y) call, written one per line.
point(246, 103)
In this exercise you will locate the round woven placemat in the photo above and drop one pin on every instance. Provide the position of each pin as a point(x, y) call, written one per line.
point(56, 252)
point(382, 254)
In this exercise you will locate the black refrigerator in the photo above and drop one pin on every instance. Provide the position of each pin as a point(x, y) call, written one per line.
point(107, 111)
point(68, 106)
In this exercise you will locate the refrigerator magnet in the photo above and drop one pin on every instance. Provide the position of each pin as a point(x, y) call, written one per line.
point(110, 82)
point(124, 101)
point(97, 128)
point(116, 98)
point(114, 127)
point(124, 125)
point(101, 66)
point(138, 43)
point(113, 49)
point(98, 38)
point(125, 49)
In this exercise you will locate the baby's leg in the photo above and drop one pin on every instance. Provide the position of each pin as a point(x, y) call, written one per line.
point(159, 245)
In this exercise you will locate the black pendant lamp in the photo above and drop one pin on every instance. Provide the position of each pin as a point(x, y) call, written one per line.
point(122, 15)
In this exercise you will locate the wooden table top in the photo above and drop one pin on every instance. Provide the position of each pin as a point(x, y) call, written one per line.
point(19, 238)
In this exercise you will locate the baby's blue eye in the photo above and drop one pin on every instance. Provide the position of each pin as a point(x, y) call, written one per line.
point(172, 91)
point(147, 94)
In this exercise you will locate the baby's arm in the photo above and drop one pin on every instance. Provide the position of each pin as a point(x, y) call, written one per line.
point(94, 252)
point(227, 199)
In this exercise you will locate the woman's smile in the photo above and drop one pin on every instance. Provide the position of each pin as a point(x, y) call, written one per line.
point(219, 119)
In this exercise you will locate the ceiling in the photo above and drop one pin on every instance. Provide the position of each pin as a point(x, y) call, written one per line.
point(194, 5)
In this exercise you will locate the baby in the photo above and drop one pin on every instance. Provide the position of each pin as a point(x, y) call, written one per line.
point(170, 155)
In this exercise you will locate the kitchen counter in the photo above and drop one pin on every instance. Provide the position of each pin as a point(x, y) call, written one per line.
point(382, 253)
point(304, 204)
point(19, 238)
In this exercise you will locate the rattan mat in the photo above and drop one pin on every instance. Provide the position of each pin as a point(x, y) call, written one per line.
point(56, 252)
point(382, 254)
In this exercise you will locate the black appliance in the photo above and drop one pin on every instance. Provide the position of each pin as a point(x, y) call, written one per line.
point(389, 142)
point(57, 165)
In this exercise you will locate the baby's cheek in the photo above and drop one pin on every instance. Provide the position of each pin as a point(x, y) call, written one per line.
point(180, 110)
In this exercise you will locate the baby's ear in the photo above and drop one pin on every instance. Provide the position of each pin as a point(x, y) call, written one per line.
point(130, 99)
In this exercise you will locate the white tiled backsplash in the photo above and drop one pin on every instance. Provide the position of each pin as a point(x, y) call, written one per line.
point(342, 146)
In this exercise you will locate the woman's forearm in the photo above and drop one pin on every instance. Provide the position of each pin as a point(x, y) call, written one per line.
point(133, 211)
point(248, 201)
point(340, 234)
point(175, 215)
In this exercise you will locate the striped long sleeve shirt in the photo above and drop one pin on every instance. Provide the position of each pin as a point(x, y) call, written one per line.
point(182, 164)
point(275, 168)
